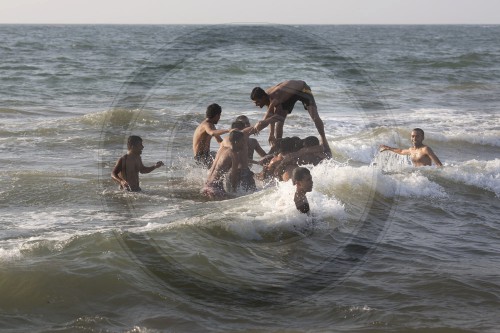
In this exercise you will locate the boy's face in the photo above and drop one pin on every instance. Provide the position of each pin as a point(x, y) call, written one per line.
point(260, 102)
point(306, 184)
point(416, 138)
point(137, 148)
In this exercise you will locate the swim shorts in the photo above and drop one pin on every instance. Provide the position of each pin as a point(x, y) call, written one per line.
point(205, 159)
point(305, 96)
point(247, 181)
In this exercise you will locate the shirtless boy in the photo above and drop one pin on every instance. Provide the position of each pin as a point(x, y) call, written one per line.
point(281, 98)
point(246, 179)
point(127, 168)
point(302, 179)
point(420, 154)
point(226, 157)
point(310, 153)
point(203, 135)
point(232, 152)
point(253, 144)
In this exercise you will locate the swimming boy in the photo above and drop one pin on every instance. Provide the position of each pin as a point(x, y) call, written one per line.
point(127, 168)
point(203, 135)
point(420, 154)
point(302, 179)
point(281, 98)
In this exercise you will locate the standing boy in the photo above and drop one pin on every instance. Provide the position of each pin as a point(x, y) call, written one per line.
point(203, 135)
point(127, 168)
point(420, 154)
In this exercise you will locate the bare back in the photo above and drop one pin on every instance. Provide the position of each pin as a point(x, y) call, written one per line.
point(222, 163)
point(284, 90)
point(131, 166)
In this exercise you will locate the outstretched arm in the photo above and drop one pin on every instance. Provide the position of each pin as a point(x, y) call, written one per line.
point(264, 123)
point(210, 129)
point(259, 150)
point(395, 150)
point(145, 169)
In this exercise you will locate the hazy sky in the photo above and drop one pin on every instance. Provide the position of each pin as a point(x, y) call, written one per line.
point(251, 11)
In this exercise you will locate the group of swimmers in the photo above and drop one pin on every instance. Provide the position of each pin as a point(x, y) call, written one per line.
point(232, 160)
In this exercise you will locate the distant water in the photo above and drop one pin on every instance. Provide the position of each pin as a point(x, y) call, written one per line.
point(389, 247)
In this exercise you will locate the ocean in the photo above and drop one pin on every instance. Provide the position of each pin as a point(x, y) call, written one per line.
point(387, 248)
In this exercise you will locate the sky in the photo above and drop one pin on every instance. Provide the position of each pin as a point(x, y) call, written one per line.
point(250, 11)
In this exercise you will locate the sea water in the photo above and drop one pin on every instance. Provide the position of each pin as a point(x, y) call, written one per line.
point(388, 247)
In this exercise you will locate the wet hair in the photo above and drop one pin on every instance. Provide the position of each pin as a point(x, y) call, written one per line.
point(287, 145)
point(133, 140)
point(421, 131)
point(213, 110)
point(238, 124)
point(310, 141)
point(235, 137)
point(277, 145)
point(297, 143)
point(257, 93)
point(299, 173)
point(243, 118)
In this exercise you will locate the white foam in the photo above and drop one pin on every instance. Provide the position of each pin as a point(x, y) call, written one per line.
point(482, 174)
point(9, 254)
point(448, 125)
point(408, 182)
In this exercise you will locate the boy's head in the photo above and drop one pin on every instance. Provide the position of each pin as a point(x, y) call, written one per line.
point(297, 143)
point(237, 140)
point(213, 110)
point(287, 145)
point(301, 177)
point(259, 97)
point(238, 125)
point(417, 136)
point(133, 141)
point(310, 141)
point(244, 119)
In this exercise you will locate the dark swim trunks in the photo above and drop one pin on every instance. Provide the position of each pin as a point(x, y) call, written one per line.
point(305, 96)
point(205, 159)
point(247, 181)
point(214, 190)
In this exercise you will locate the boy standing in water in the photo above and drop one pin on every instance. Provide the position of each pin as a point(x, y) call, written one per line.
point(253, 144)
point(127, 168)
point(227, 157)
point(302, 179)
point(420, 154)
point(203, 135)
